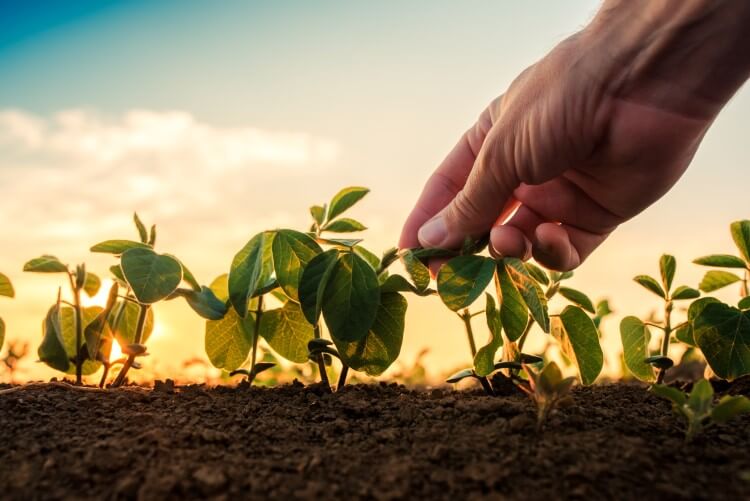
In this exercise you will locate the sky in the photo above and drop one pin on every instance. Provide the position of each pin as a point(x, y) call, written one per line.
point(218, 120)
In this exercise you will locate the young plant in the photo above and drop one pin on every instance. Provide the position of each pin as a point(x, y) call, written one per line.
point(63, 346)
point(148, 278)
point(316, 278)
point(636, 334)
point(722, 331)
point(523, 291)
point(547, 389)
point(6, 289)
point(698, 409)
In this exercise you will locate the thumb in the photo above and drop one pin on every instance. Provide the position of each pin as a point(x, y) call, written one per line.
point(486, 197)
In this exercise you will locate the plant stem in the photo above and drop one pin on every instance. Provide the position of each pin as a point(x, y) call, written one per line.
point(466, 317)
point(142, 315)
point(321, 361)
point(525, 334)
point(486, 386)
point(667, 338)
point(256, 337)
point(745, 291)
point(79, 329)
point(342, 377)
point(105, 373)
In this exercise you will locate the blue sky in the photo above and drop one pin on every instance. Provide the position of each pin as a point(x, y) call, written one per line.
point(371, 93)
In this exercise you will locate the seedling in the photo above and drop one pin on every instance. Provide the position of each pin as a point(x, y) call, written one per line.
point(523, 291)
point(698, 409)
point(547, 389)
point(148, 278)
point(636, 334)
point(718, 279)
point(63, 343)
point(6, 289)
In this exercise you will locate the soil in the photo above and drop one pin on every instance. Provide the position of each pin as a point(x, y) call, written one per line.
point(614, 441)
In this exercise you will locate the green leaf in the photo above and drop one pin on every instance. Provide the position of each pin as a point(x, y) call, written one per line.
point(513, 311)
point(141, 228)
point(579, 339)
point(667, 267)
point(537, 273)
point(729, 408)
point(220, 286)
point(228, 341)
point(723, 335)
point(417, 270)
point(344, 225)
point(684, 333)
point(484, 361)
point(118, 247)
point(68, 331)
point(292, 251)
point(577, 297)
point(660, 362)
point(6, 288)
point(603, 309)
point(715, 280)
point(721, 261)
point(701, 398)
point(344, 199)
point(312, 285)
point(318, 214)
point(187, 275)
point(251, 268)
point(741, 235)
point(744, 303)
point(685, 292)
point(92, 284)
point(52, 350)
point(151, 277)
point(125, 331)
point(98, 329)
point(463, 279)
point(116, 272)
point(351, 298)
point(45, 264)
point(635, 337)
point(204, 303)
point(343, 243)
point(650, 284)
point(530, 291)
point(152, 237)
point(287, 331)
point(672, 394)
point(381, 346)
point(460, 375)
point(368, 256)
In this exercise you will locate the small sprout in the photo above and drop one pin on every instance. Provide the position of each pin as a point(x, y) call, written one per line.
point(698, 408)
point(547, 389)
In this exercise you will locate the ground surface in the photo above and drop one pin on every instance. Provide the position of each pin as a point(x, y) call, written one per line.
point(366, 442)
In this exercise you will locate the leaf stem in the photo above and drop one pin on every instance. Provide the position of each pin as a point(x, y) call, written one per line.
point(321, 361)
point(525, 334)
point(142, 315)
point(79, 328)
point(466, 317)
point(667, 337)
point(256, 337)
point(342, 377)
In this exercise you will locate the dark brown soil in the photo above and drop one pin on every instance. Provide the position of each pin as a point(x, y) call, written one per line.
point(366, 442)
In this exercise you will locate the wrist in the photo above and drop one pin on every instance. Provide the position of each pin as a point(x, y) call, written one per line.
point(688, 57)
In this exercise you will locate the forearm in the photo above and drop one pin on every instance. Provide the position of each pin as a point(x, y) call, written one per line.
point(686, 56)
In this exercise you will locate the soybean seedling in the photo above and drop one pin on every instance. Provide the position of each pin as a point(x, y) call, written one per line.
point(149, 278)
point(547, 389)
point(717, 279)
point(636, 334)
point(698, 409)
point(523, 291)
point(6, 289)
point(63, 342)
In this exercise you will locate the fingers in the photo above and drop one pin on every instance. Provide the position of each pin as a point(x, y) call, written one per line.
point(448, 180)
point(487, 192)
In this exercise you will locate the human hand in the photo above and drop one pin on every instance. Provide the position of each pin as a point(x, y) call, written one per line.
point(589, 136)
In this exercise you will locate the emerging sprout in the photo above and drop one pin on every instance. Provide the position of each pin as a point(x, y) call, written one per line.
point(547, 389)
point(698, 408)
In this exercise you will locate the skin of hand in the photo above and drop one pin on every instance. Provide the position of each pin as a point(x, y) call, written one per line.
point(590, 135)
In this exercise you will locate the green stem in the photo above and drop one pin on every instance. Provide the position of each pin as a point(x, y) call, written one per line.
point(79, 329)
point(142, 315)
point(256, 337)
point(745, 291)
point(321, 361)
point(466, 317)
point(667, 338)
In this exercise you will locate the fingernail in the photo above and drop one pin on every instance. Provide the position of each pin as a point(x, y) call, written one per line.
point(433, 232)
